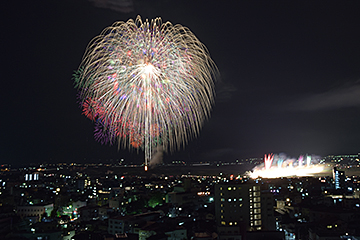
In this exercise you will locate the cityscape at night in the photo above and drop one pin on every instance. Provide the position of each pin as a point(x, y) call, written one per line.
point(175, 120)
point(179, 200)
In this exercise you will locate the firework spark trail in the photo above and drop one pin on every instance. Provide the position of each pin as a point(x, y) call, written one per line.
point(268, 160)
point(150, 83)
point(301, 157)
point(308, 160)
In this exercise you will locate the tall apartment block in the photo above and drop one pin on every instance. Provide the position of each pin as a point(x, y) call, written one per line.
point(339, 178)
point(242, 207)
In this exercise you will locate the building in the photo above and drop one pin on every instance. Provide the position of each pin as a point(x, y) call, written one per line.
point(34, 211)
point(89, 213)
point(130, 223)
point(339, 178)
point(242, 207)
point(181, 198)
point(31, 176)
point(161, 230)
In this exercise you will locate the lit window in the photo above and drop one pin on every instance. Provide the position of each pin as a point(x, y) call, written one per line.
point(257, 205)
point(229, 188)
point(257, 223)
point(229, 200)
point(223, 223)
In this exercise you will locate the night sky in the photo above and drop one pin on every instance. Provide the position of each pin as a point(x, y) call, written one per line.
point(289, 83)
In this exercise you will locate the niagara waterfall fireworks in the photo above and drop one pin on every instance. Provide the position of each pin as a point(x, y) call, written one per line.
point(280, 165)
point(146, 85)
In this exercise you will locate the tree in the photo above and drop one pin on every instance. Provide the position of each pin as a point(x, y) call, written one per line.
point(156, 198)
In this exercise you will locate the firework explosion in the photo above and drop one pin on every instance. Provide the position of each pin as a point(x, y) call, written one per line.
point(280, 165)
point(146, 85)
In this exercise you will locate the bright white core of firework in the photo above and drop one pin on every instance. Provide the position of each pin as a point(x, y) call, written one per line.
point(299, 171)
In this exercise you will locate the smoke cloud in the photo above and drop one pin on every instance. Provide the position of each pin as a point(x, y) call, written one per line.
point(123, 6)
point(157, 157)
point(344, 96)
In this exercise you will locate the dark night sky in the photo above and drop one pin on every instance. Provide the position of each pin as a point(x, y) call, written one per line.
point(290, 74)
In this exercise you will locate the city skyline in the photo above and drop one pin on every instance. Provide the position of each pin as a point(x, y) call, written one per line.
point(289, 78)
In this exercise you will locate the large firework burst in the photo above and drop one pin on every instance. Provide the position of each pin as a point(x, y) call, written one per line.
point(150, 84)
